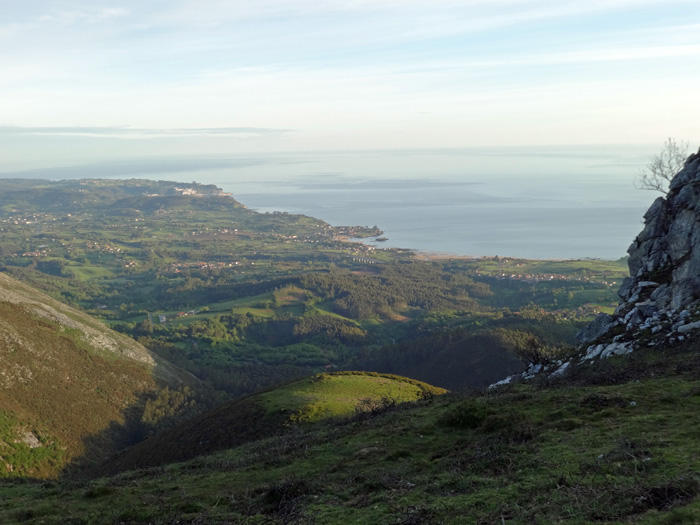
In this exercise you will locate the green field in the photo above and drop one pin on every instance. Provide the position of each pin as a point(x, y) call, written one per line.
point(341, 394)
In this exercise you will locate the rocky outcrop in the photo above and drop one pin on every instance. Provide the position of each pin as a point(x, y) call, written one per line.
point(598, 327)
point(661, 298)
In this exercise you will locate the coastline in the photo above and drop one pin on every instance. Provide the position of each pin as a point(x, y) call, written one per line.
point(427, 255)
point(438, 256)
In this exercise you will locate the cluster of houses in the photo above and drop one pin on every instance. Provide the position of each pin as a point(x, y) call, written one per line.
point(90, 245)
point(361, 248)
point(218, 231)
point(308, 237)
point(42, 251)
point(365, 260)
point(31, 218)
point(162, 318)
point(178, 267)
point(537, 277)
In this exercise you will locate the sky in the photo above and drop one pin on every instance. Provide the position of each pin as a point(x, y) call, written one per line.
point(80, 81)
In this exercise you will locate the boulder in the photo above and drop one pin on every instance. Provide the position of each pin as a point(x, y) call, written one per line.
point(626, 287)
point(601, 325)
point(689, 327)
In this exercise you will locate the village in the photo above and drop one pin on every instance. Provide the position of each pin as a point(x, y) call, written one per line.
point(535, 278)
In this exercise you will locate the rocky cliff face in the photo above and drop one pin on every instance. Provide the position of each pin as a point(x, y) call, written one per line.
point(661, 298)
point(660, 301)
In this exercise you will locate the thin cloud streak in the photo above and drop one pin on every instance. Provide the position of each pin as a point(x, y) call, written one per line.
point(134, 167)
point(128, 132)
point(570, 58)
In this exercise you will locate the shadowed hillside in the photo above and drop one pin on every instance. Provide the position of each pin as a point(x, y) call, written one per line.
point(614, 443)
point(65, 379)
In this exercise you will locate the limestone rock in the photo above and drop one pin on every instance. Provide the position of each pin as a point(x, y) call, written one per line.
point(626, 287)
point(660, 300)
point(601, 325)
point(664, 265)
point(689, 327)
point(561, 370)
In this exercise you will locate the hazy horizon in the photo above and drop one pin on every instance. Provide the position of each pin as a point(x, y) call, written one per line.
point(554, 202)
point(251, 93)
point(100, 81)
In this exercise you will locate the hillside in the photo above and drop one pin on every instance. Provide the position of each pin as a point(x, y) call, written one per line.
point(70, 386)
point(615, 443)
point(273, 412)
point(245, 305)
point(604, 433)
point(66, 196)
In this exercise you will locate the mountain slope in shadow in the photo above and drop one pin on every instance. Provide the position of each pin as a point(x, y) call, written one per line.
point(64, 379)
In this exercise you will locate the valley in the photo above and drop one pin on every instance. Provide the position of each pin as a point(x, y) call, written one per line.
point(328, 263)
point(244, 300)
point(262, 373)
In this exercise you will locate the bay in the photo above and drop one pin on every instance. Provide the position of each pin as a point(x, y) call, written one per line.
point(568, 203)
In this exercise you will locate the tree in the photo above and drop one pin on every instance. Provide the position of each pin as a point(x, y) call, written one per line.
point(145, 327)
point(663, 166)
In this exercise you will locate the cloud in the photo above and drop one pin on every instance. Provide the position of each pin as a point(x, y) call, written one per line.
point(623, 54)
point(356, 71)
point(408, 19)
point(84, 15)
point(128, 132)
point(135, 168)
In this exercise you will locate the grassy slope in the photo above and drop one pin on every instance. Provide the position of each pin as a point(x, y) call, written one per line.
point(99, 339)
point(340, 394)
point(622, 449)
point(55, 387)
point(270, 413)
point(478, 360)
point(66, 383)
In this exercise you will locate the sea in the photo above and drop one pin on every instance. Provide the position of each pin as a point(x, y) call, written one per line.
point(560, 202)
point(537, 203)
